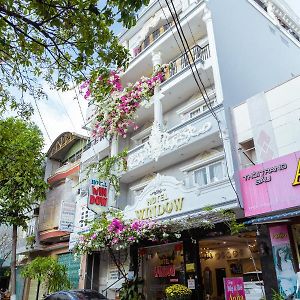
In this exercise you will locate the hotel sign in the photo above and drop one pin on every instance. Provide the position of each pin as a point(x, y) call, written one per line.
point(166, 197)
point(272, 185)
point(98, 195)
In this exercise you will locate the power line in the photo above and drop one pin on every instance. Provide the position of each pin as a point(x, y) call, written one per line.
point(188, 50)
point(66, 111)
point(44, 125)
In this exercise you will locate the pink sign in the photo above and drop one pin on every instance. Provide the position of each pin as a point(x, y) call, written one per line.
point(234, 288)
point(272, 185)
point(279, 235)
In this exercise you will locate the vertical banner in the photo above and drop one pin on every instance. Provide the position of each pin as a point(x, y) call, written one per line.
point(234, 288)
point(283, 260)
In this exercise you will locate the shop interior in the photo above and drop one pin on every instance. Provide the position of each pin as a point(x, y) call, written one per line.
point(161, 266)
point(227, 256)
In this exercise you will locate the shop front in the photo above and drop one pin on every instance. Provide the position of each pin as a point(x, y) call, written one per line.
point(271, 194)
point(161, 266)
point(182, 261)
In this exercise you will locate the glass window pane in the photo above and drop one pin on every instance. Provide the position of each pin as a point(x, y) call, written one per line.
point(201, 176)
point(216, 172)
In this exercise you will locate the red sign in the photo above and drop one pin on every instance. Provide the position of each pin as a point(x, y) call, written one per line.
point(164, 271)
point(98, 195)
point(234, 288)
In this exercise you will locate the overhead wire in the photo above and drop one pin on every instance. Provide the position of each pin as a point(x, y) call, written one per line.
point(205, 94)
point(44, 124)
point(189, 51)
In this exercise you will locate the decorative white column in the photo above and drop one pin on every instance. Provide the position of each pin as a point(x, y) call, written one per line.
point(207, 18)
point(158, 112)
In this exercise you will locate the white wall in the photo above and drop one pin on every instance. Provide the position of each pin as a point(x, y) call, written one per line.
point(272, 119)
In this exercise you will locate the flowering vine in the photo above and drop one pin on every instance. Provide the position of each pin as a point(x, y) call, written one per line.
point(112, 231)
point(117, 105)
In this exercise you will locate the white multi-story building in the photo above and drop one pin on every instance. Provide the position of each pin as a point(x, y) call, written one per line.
point(181, 151)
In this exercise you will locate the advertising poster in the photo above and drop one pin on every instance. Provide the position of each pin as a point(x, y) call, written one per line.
point(283, 260)
point(234, 288)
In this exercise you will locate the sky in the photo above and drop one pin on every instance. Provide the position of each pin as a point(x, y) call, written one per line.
point(62, 112)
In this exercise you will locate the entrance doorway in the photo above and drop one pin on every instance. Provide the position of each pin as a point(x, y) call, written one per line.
point(220, 274)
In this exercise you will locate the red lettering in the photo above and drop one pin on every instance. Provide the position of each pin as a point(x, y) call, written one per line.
point(99, 191)
point(98, 200)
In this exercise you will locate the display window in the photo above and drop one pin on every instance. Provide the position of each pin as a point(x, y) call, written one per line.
point(160, 267)
point(231, 256)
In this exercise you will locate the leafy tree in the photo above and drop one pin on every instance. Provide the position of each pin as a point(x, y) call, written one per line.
point(58, 41)
point(48, 271)
point(21, 177)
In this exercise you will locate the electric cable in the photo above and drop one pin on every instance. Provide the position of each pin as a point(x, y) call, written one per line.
point(44, 125)
point(182, 37)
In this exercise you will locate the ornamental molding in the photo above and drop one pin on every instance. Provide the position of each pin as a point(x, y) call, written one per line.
point(161, 141)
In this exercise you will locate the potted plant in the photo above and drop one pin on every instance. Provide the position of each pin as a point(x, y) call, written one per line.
point(178, 292)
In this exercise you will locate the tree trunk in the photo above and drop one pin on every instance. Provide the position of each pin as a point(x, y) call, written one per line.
point(13, 279)
point(38, 290)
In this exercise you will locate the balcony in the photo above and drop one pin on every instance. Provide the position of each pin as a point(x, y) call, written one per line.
point(151, 38)
point(142, 45)
point(182, 62)
point(67, 170)
point(177, 144)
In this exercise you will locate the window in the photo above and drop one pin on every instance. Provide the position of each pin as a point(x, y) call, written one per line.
point(202, 108)
point(195, 112)
point(247, 153)
point(211, 103)
point(209, 174)
point(145, 139)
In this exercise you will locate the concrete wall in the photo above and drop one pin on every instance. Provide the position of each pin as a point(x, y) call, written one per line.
point(253, 54)
point(272, 120)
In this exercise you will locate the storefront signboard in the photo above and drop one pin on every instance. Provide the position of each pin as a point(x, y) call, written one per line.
point(67, 216)
point(98, 200)
point(272, 185)
point(234, 288)
point(164, 271)
point(166, 197)
point(283, 260)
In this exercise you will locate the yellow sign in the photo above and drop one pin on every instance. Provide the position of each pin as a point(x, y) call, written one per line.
point(297, 176)
point(190, 267)
point(159, 205)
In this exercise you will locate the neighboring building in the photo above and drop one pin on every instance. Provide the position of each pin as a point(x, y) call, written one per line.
point(241, 48)
point(51, 224)
point(267, 136)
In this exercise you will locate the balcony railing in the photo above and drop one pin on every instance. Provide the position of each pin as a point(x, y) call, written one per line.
point(163, 142)
point(151, 38)
point(182, 62)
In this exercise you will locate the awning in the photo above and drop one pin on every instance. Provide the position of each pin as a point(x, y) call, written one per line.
point(276, 217)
